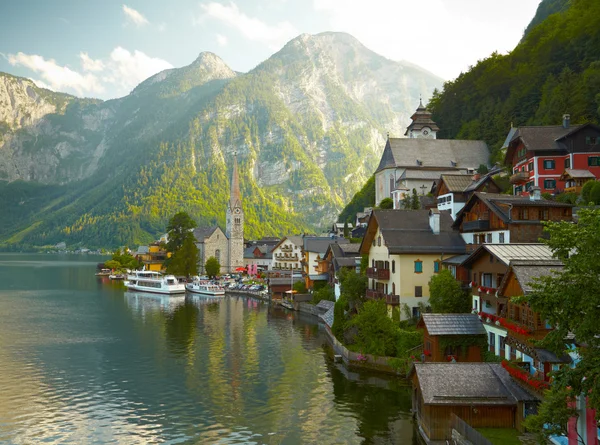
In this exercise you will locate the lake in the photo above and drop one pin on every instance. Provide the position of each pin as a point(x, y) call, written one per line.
point(82, 361)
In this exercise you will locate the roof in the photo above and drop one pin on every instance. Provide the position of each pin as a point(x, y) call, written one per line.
point(325, 305)
point(408, 231)
point(319, 276)
point(458, 259)
point(201, 233)
point(468, 384)
point(546, 356)
point(501, 205)
point(506, 253)
point(578, 173)
point(456, 183)
point(142, 250)
point(320, 244)
point(296, 240)
point(444, 153)
point(543, 138)
point(420, 173)
point(265, 250)
point(327, 317)
point(527, 272)
point(453, 324)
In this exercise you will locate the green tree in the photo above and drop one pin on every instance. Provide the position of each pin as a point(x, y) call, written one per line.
point(446, 294)
point(212, 267)
point(586, 191)
point(595, 193)
point(346, 230)
point(300, 287)
point(185, 260)
point(406, 202)
point(386, 204)
point(570, 301)
point(124, 260)
point(415, 203)
point(377, 333)
point(179, 228)
point(482, 169)
point(352, 286)
point(112, 264)
point(323, 293)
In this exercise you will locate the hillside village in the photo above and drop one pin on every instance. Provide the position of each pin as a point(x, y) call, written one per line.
point(488, 241)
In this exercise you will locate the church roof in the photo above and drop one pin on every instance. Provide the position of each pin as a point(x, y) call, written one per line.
point(421, 118)
point(201, 233)
point(440, 153)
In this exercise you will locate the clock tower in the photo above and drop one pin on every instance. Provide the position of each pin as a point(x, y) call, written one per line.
point(422, 126)
point(235, 223)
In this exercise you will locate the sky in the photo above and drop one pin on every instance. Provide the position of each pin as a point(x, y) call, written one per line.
point(105, 48)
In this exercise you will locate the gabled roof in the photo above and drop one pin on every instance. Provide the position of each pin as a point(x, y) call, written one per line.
point(408, 231)
point(201, 233)
point(320, 244)
point(501, 205)
point(327, 317)
point(421, 173)
point(468, 384)
point(505, 253)
point(296, 240)
point(453, 324)
point(441, 153)
point(576, 174)
point(526, 272)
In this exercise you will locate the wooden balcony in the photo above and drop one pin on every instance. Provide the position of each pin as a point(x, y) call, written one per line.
point(373, 294)
point(480, 224)
point(574, 189)
point(378, 273)
point(519, 178)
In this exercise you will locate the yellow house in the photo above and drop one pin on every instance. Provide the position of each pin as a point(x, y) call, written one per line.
point(153, 256)
point(405, 249)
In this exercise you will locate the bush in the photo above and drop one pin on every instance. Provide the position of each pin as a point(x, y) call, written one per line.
point(446, 294)
point(586, 191)
point(300, 287)
point(339, 319)
point(377, 333)
point(324, 293)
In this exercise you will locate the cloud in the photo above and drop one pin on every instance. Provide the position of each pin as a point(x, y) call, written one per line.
point(222, 40)
point(134, 16)
point(250, 27)
point(58, 77)
point(90, 64)
point(40, 84)
point(115, 75)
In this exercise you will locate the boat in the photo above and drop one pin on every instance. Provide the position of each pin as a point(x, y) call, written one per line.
point(117, 276)
point(154, 282)
point(205, 288)
point(103, 273)
point(286, 304)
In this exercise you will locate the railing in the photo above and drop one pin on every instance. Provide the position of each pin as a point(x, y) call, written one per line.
point(467, 431)
point(480, 224)
point(378, 273)
point(574, 189)
point(520, 177)
point(392, 299)
point(373, 294)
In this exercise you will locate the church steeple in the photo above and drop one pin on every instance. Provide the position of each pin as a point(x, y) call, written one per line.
point(234, 199)
point(235, 222)
point(422, 126)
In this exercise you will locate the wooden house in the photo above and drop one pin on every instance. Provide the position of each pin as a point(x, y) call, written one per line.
point(453, 191)
point(481, 394)
point(575, 179)
point(459, 337)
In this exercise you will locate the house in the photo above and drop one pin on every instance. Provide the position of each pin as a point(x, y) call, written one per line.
point(287, 254)
point(152, 256)
point(337, 257)
point(259, 255)
point(362, 218)
point(405, 249)
point(481, 394)
point(313, 251)
point(452, 336)
point(494, 218)
point(522, 324)
point(337, 229)
point(575, 179)
point(421, 151)
point(539, 155)
point(453, 191)
point(282, 282)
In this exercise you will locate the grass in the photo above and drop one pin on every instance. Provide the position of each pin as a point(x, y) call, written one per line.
point(501, 436)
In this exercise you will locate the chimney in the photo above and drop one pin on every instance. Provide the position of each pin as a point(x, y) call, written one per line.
point(434, 221)
point(566, 120)
point(535, 193)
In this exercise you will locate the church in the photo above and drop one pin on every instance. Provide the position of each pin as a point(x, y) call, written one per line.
point(419, 159)
point(228, 247)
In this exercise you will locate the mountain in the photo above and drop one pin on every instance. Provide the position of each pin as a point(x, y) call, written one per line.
point(554, 70)
point(308, 126)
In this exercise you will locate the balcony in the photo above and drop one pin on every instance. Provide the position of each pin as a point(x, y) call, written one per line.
point(573, 189)
point(480, 224)
point(377, 273)
point(373, 294)
point(519, 178)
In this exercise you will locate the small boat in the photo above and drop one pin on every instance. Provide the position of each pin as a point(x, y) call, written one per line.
point(118, 276)
point(286, 304)
point(103, 273)
point(154, 282)
point(205, 288)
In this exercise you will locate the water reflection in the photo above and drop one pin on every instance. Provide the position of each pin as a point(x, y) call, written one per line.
point(82, 361)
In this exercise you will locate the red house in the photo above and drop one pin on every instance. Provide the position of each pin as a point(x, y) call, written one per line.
point(539, 155)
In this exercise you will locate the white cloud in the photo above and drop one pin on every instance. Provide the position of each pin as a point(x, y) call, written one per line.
point(90, 64)
point(444, 36)
point(58, 77)
point(250, 27)
point(134, 16)
point(222, 40)
point(115, 75)
point(40, 84)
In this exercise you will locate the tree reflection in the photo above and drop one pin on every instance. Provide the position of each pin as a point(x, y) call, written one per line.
point(180, 328)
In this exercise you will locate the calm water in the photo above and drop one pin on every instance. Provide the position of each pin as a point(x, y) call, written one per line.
point(84, 362)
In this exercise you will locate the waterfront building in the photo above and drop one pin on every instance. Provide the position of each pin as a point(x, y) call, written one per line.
point(260, 256)
point(287, 254)
point(405, 249)
point(313, 251)
point(152, 256)
point(337, 257)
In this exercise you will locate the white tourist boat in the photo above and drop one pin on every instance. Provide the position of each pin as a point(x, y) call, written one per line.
point(154, 282)
point(205, 288)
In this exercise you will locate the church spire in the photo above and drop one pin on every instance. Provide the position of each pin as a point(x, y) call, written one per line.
point(234, 199)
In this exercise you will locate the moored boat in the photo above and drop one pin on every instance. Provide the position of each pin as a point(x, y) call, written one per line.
point(205, 288)
point(117, 276)
point(154, 282)
point(103, 273)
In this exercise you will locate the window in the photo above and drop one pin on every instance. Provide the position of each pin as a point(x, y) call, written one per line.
point(523, 169)
point(486, 279)
point(418, 266)
point(492, 341)
point(549, 184)
point(418, 291)
point(591, 140)
point(529, 185)
point(524, 214)
point(518, 189)
point(521, 152)
point(549, 164)
point(594, 161)
point(373, 242)
point(544, 214)
point(488, 238)
point(416, 313)
point(391, 184)
point(530, 167)
point(491, 258)
point(501, 236)
point(568, 163)
point(218, 255)
point(379, 241)
point(475, 305)
point(436, 266)
point(393, 266)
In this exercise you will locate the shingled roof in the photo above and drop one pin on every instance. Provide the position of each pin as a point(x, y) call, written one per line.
point(468, 384)
point(408, 231)
point(505, 253)
point(440, 153)
point(320, 244)
point(527, 271)
point(201, 233)
point(453, 324)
